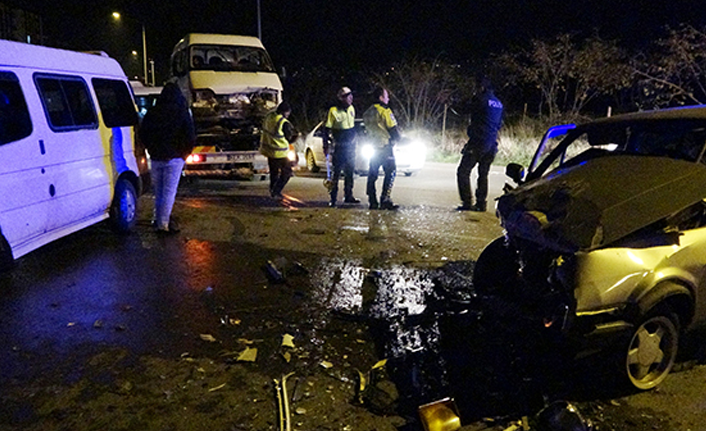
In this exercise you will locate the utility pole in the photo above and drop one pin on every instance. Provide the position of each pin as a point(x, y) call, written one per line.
point(259, 25)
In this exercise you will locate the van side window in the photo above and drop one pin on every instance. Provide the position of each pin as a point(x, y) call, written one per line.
point(15, 122)
point(67, 102)
point(115, 102)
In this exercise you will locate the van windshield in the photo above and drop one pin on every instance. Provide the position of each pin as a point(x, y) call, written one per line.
point(230, 58)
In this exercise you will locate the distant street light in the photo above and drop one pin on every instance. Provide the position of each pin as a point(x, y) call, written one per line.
point(117, 16)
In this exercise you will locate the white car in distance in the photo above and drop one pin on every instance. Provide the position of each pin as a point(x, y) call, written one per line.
point(410, 154)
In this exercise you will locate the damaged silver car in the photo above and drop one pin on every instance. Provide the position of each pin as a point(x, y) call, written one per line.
point(605, 238)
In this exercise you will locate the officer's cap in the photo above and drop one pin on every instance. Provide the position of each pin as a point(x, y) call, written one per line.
point(344, 92)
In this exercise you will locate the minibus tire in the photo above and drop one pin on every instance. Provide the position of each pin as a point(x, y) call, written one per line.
point(123, 211)
point(6, 259)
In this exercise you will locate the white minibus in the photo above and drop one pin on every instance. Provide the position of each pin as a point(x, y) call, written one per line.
point(67, 156)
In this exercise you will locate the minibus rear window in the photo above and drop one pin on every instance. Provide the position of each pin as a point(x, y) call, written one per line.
point(115, 102)
point(15, 122)
point(67, 103)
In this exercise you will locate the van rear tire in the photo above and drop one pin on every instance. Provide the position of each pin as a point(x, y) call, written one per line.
point(123, 211)
point(6, 259)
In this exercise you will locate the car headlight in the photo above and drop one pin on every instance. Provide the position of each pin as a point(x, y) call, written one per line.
point(367, 151)
point(292, 154)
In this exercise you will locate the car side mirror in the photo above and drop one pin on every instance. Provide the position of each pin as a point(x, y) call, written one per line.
point(515, 171)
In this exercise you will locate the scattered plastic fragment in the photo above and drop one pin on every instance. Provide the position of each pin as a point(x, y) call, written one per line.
point(326, 364)
point(381, 363)
point(98, 324)
point(287, 356)
point(300, 411)
point(207, 337)
point(288, 340)
point(248, 355)
point(70, 324)
point(217, 387)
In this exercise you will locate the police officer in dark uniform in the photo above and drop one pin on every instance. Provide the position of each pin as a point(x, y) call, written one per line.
point(340, 124)
point(482, 145)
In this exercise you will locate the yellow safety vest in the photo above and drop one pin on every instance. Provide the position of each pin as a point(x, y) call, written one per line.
point(273, 144)
point(339, 119)
point(378, 120)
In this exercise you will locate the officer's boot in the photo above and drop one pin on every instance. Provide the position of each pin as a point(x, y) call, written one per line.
point(480, 206)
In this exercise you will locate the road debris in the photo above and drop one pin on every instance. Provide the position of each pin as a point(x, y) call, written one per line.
point(248, 355)
point(208, 337)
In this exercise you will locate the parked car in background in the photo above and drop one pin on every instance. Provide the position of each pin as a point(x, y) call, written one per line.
point(605, 244)
point(145, 96)
point(410, 154)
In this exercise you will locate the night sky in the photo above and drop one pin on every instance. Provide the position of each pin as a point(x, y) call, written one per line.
point(356, 35)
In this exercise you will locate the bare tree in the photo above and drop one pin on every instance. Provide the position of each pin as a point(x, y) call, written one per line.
point(421, 90)
point(567, 75)
point(674, 71)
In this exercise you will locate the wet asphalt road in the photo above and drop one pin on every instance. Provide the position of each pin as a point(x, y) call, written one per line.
point(95, 291)
point(95, 288)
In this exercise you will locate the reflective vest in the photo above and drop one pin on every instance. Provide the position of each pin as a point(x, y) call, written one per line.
point(340, 119)
point(378, 120)
point(273, 144)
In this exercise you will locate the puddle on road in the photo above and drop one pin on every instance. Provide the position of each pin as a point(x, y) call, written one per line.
point(420, 322)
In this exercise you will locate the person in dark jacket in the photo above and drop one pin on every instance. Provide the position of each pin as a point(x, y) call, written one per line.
point(482, 145)
point(168, 134)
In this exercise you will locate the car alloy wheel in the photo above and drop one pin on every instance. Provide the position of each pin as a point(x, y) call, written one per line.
point(311, 162)
point(652, 351)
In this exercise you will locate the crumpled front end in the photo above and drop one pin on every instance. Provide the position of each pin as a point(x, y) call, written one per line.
point(600, 201)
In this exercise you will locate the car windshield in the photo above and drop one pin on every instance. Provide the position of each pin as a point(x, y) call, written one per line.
point(230, 58)
point(675, 139)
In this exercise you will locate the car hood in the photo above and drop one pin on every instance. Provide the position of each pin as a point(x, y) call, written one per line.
point(602, 200)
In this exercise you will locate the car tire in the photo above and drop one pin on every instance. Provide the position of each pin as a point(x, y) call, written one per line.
point(311, 162)
point(6, 259)
point(651, 351)
point(123, 211)
point(496, 268)
point(408, 174)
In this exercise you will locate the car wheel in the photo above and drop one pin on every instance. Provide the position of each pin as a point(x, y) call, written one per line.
point(123, 211)
point(6, 259)
point(408, 174)
point(495, 269)
point(311, 162)
point(652, 350)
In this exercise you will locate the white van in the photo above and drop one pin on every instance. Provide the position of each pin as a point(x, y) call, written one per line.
point(66, 146)
point(231, 84)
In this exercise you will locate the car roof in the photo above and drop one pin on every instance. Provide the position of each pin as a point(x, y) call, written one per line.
point(697, 112)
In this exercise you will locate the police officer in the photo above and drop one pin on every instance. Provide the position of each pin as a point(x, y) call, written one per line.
point(340, 124)
point(381, 127)
point(482, 145)
point(277, 134)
